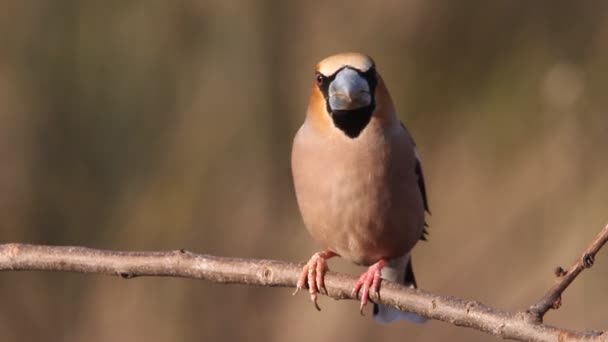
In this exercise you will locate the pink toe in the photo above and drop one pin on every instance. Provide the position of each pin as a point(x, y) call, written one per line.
point(371, 279)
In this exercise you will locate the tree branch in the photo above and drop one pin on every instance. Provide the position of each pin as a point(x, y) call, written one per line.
point(553, 298)
point(523, 326)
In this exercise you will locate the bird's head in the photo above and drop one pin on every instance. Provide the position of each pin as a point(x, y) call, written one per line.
point(347, 93)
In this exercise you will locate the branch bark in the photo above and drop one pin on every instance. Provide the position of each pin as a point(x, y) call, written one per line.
point(523, 326)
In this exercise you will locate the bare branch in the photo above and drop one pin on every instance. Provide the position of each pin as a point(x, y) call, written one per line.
point(521, 326)
point(553, 298)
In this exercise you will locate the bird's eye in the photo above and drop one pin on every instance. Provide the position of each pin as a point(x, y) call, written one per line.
point(320, 79)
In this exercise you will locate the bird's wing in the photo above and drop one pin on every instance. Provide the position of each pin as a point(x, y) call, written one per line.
point(420, 179)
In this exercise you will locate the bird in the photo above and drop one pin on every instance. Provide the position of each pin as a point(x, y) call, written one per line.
point(358, 181)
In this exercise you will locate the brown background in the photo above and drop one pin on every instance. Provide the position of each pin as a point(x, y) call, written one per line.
point(145, 125)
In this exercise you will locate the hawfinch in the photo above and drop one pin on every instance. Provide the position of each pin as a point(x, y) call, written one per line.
point(358, 180)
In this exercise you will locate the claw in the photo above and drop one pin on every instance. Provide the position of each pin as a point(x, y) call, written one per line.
point(313, 298)
point(370, 280)
point(313, 276)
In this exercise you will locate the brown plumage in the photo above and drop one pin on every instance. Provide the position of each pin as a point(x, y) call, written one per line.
point(357, 177)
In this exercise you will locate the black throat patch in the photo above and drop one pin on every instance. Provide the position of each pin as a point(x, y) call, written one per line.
point(352, 122)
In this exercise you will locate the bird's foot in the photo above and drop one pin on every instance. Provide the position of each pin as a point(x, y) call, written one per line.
point(369, 281)
point(313, 274)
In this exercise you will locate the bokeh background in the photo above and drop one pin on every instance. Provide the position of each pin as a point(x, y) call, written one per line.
point(156, 125)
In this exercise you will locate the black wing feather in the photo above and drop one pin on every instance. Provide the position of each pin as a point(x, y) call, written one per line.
point(422, 187)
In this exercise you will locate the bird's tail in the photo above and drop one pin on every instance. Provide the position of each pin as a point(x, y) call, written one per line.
point(387, 314)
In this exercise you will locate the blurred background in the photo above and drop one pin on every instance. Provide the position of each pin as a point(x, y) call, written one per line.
point(158, 125)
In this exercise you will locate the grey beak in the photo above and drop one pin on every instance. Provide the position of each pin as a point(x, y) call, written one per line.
point(348, 91)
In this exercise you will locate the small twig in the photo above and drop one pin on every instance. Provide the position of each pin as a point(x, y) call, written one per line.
point(553, 298)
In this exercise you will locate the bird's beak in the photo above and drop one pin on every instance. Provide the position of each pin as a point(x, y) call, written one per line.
point(348, 91)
